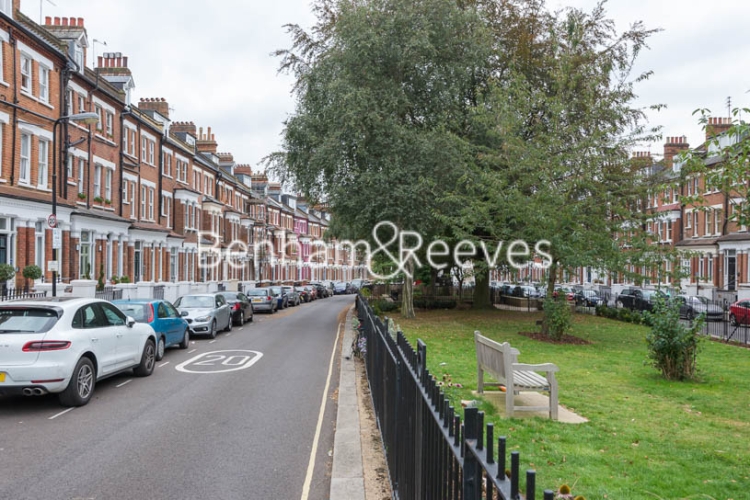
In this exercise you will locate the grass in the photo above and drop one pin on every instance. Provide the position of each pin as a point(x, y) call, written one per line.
point(646, 437)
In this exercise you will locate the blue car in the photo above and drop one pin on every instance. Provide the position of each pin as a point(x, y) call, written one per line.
point(171, 328)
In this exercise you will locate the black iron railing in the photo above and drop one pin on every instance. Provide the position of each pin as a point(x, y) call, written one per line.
point(430, 452)
point(108, 293)
point(158, 292)
point(20, 294)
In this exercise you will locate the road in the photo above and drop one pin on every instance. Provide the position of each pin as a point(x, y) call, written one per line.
point(215, 434)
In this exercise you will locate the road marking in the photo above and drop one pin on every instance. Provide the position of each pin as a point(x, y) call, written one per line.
point(61, 413)
point(126, 382)
point(311, 463)
point(212, 341)
point(229, 335)
point(164, 364)
point(191, 352)
point(220, 363)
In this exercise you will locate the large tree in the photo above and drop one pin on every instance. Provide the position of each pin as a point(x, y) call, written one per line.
point(382, 91)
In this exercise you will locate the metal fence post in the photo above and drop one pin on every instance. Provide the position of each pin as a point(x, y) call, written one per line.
point(471, 490)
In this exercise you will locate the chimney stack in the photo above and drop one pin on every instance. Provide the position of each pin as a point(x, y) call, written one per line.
point(158, 104)
point(206, 142)
point(183, 127)
point(673, 147)
point(717, 126)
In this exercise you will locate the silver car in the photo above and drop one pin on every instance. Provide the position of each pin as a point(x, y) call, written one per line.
point(263, 300)
point(206, 313)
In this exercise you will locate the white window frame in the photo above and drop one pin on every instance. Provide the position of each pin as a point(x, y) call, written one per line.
point(43, 164)
point(143, 149)
point(143, 201)
point(688, 220)
point(125, 199)
point(24, 176)
point(27, 73)
point(81, 174)
point(81, 103)
point(133, 206)
point(717, 221)
point(44, 83)
point(151, 153)
point(108, 184)
point(110, 123)
point(151, 204)
point(97, 180)
point(99, 124)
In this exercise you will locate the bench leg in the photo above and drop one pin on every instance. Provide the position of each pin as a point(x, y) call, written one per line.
point(480, 380)
point(553, 401)
point(509, 392)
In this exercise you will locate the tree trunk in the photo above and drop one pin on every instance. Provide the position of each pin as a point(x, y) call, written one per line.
point(407, 291)
point(551, 280)
point(481, 290)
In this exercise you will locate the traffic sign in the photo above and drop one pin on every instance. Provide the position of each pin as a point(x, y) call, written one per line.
point(52, 221)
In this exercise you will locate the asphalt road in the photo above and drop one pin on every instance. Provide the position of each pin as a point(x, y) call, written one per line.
point(197, 432)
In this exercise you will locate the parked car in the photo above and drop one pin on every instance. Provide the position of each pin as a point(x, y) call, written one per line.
point(692, 306)
point(206, 313)
point(65, 346)
point(263, 300)
point(242, 309)
point(636, 299)
point(303, 293)
point(341, 288)
point(739, 312)
point(281, 297)
point(312, 291)
point(587, 298)
point(525, 291)
point(321, 290)
point(292, 295)
point(171, 329)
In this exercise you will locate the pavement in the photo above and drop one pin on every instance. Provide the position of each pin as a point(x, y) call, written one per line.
point(347, 478)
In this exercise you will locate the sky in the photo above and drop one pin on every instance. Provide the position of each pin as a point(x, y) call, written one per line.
point(211, 59)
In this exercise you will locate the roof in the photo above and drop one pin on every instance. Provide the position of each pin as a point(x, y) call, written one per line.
point(697, 242)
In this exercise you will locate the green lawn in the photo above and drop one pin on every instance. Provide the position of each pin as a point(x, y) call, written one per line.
point(646, 437)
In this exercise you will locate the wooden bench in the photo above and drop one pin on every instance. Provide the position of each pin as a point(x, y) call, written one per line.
point(501, 361)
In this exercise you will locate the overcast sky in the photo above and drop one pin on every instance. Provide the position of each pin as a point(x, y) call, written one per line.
point(211, 60)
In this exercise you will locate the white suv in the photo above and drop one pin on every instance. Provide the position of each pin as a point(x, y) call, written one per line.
point(65, 345)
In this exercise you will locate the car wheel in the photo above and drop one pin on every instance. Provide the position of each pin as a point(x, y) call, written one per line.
point(148, 360)
point(160, 348)
point(229, 325)
point(241, 318)
point(81, 385)
point(212, 332)
point(690, 315)
point(732, 320)
point(185, 340)
point(252, 314)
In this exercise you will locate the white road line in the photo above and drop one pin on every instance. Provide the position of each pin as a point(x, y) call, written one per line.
point(212, 341)
point(164, 364)
point(61, 413)
point(190, 352)
point(126, 382)
point(313, 452)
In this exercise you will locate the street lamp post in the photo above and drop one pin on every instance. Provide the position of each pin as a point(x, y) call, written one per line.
point(87, 118)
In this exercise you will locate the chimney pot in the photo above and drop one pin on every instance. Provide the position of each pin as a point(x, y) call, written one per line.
point(47, 20)
point(125, 62)
point(64, 21)
point(73, 21)
point(57, 21)
point(100, 59)
point(119, 63)
point(80, 22)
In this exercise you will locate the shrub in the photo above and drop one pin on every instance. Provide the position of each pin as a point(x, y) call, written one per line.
point(382, 306)
point(6, 272)
point(672, 347)
point(557, 317)
point(124, 279)
point(32, 272)
point(435, 303)
point(100, 280)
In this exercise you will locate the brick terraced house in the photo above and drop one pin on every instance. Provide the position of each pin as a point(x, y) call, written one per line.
point(139, 196)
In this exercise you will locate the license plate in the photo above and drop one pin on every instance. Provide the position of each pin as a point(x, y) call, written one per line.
point(2, 377)
point(257, 300)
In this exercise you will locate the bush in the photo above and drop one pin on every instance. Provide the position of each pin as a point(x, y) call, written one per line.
point(6, 272)
point(32, 272)
point(124, 279)
point(557, 317)
point(435, 303)
point(672, 347)
point(382, 306)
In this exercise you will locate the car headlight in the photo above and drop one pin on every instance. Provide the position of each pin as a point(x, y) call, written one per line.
point(203, 318)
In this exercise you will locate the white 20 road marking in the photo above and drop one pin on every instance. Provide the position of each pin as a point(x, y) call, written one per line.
point(221, 361)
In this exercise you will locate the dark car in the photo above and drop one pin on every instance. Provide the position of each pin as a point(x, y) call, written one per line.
point(636, 299)
point(304, 295)
point(341, 288)
point(588, 298)
point(292, 295)
point(692, 306)
point(242, 309)
point(281, 297)
point(322, 291)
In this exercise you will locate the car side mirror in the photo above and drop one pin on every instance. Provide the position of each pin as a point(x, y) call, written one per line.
point(129, 321)
point(183, 313)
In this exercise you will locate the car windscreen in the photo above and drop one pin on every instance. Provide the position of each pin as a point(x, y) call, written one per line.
point(257, 292)
point(195, 301)
point(26, 320)
point(230, 296)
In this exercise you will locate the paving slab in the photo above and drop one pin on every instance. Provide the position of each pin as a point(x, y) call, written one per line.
point(497, 398)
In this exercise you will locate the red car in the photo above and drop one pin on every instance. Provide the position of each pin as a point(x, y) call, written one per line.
point(739, 312)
